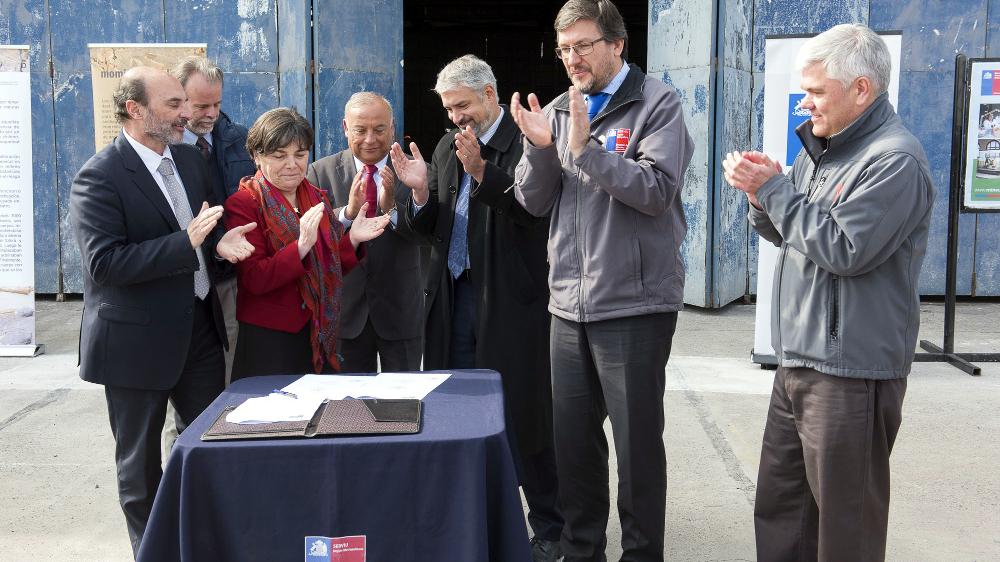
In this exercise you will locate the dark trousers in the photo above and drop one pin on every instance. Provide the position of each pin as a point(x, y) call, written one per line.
point(823, 484)
point(137, 416)
point(262, 351)
point(462, 349)
point(611, 368)
point(537, 476)
point(364, 353)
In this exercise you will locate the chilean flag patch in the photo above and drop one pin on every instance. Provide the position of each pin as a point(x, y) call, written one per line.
point(616, 140)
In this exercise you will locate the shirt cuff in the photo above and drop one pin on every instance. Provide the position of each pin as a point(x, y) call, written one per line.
point(343, 218)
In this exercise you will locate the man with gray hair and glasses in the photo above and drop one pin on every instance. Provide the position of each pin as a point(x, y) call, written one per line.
point(851, 219)
point(485, 286)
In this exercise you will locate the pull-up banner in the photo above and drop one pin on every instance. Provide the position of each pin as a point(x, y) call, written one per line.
point(17, 237)
point(109, 61)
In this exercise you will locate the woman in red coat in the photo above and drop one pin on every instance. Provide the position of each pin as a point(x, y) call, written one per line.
point(288, 297)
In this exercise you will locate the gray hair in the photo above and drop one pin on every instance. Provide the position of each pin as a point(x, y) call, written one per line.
point(359, 99)
point(469, 71)
point(602, 12)
point(849, 51)
point(200, 65)
point(131, 87)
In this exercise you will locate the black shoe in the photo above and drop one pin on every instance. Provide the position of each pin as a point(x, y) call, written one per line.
point(544, 551)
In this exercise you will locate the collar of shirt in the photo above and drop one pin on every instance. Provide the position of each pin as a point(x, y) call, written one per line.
point(485, 138)
point(191, 138)
point(613, 85)
point(152, 161)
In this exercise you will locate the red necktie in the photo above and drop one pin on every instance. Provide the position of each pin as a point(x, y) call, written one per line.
point(371, 192)
point(204, 147)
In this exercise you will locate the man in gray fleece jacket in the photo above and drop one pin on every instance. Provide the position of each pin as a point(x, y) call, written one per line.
point(851, 220)
point(606, 161)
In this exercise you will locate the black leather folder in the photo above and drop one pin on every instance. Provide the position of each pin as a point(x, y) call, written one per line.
point(370, 416)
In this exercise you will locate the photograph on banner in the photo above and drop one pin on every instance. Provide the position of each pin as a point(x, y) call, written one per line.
point(17, 240)
point(981, 188)
point(783, 112)
point(109, 61)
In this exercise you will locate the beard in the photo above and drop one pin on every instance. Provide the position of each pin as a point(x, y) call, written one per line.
point(161, 130)
point(201, 126)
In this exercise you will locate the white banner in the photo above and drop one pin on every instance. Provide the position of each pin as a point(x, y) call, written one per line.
point(17, 238)
point(782, 114)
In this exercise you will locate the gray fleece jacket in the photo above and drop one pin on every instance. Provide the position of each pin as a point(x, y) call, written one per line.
point(851, 220)
point(616, 218)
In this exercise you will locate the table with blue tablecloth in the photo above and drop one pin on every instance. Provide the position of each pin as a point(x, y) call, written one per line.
point(448, 493)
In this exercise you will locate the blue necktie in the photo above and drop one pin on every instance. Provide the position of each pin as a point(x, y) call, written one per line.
point(595, 102)
point(458, 251)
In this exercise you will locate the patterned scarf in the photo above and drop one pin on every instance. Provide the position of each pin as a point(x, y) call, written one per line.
point(321, 287)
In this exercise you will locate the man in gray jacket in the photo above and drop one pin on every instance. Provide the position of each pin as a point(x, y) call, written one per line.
point(606, 162)
point(851, 220)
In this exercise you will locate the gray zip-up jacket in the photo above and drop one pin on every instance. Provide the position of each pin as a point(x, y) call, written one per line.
point(851, 221)
point(616, 218)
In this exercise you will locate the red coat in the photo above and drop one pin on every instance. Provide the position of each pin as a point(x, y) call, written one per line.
point(267, 281)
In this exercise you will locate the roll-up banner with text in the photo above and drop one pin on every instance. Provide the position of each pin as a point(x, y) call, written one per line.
point(782, 114)
point(108, 61)
point(17, 236)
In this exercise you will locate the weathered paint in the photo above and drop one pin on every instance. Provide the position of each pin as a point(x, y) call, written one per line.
point(357, 45)
point(987, 266)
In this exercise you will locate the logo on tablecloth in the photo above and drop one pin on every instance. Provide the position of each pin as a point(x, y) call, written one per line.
point(336, 549)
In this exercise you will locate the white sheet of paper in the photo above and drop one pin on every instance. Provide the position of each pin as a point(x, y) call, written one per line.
point(275, 408)
point(384, 385)
point(331, 387)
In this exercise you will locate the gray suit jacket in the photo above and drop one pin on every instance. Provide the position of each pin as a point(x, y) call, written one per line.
point(387, 284)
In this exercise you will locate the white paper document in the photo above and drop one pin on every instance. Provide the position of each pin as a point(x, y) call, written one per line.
point(275, 408)
point(384, 385)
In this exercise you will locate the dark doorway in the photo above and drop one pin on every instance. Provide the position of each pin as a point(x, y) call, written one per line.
point(515, 37)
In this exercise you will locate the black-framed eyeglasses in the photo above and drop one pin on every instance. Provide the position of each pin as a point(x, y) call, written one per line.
point(581, 49)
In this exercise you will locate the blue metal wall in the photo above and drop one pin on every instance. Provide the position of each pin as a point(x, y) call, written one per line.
point(266, 48)
point(720, 251)
point(313, 55)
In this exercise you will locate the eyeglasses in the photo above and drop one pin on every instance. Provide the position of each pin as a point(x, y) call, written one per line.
point(581, 49)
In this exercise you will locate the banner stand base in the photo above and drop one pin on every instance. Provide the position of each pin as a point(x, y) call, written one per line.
point(22, 350)
point(769, 362)
point(959, 360)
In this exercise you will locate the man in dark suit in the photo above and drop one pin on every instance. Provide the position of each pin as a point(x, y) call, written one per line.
point(382, 306)
point(152, 328)
point(222, 144)
point(485, 283)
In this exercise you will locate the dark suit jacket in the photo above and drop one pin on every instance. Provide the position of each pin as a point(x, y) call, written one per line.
point(386, 286)
point(138, 286)
point(507, 253)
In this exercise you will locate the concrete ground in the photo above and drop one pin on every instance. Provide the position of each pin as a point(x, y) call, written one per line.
point(58, 499)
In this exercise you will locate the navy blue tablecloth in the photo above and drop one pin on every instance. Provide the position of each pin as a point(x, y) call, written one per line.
point(448, 493)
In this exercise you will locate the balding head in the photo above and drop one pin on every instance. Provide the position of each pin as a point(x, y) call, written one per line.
point(152, 107)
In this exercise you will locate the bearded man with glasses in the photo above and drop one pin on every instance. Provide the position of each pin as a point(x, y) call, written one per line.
point(606, 163)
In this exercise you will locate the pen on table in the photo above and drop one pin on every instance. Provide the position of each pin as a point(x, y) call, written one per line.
point(284, 393)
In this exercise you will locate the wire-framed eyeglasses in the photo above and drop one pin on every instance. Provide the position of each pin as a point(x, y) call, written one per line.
point(581, 49)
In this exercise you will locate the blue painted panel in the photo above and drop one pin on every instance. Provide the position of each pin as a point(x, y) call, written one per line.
point(241, 36)
point(988, 255)
point(75, 125)
point(737, 26)
point(46, 200)
point(993, 29)
point(732, 132)
point(25, 22)
point(933, 31)
point(359, 34)
point(333, 88)
point(756, 143)
point(782, 17)
point(75, 24)
point(294, 54)
point(248, 94)
point(680, 34)
point(692, 85)
point(918, 92)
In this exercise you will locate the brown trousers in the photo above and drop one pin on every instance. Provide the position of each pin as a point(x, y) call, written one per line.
point(823, 485)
